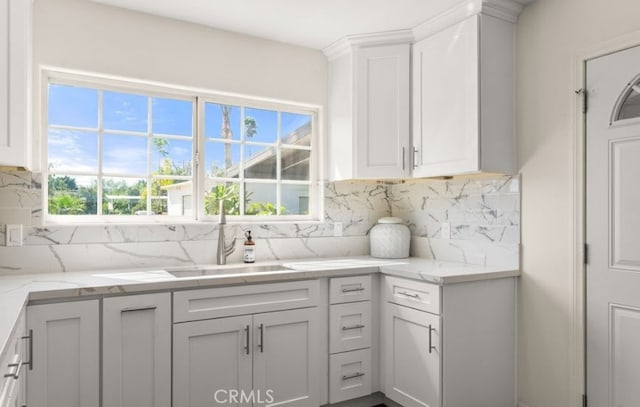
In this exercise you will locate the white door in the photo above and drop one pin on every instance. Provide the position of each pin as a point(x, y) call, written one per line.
point(136, 349)
point(66, 355)
point(212, 362)
point(412, 376)
point(613, 230)
point(286, 358)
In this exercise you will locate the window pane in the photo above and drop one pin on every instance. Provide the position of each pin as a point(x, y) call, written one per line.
point(260, 125)
point(72, 151)
point(172, 116)
point(171, 157)
point(296, 129)
point(72, 195)
point(215, 192)
point(222, 160)
point(124, 154)
point(73, 106)
point(295, 164)
point(631, 106)
point(221, 121)
point(260, 162)
point(124, 111)
point(168, 196)
point(124, 196)
point(295, 199)
point(260, 199)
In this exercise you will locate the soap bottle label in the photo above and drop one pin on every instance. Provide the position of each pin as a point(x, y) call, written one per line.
point(249, 255)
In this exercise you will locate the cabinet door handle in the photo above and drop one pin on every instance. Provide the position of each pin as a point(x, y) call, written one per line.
point(406, 294)
point(352, 376)
point(352, 290)
point(133, 309)
point(16, 373)
point(261, 344)
point(347, 328)
point(415, 161)
point(246, 347)
point(403, 159)
point(30, 339)
point(431, 347)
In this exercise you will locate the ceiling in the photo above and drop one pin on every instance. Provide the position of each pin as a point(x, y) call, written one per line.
point(308, 23)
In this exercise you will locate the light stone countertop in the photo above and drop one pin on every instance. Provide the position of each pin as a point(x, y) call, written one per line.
point(17, 291)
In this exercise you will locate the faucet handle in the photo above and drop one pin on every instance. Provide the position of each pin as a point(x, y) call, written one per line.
point(229, 249)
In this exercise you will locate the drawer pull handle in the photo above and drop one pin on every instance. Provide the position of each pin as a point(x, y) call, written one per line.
point(352, 290)
point(16, 373)
point(431, 347)
point(261, 344)
point(246, 347)
point(406, 294)
point(30, 338)
point(352, 376)
point(347, 328)
point(134, 309)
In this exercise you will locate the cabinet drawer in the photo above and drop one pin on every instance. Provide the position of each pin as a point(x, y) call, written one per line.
point(414, 294)
point(12, 361)
point(193, 305)
point(349, 375)
point(349, 326)
point(349, 289)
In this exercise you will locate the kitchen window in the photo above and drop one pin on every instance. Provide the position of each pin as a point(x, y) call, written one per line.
point(128, 152)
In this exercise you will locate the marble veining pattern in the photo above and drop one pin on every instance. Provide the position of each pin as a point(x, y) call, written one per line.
point(484, 215)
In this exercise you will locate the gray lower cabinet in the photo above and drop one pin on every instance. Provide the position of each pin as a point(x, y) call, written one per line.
point(136, 351)
point(66, 354)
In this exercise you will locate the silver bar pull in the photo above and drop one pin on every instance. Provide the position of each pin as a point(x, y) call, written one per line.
point(30, 338)
point(246, 347)
point(16, 373)
point(415, 161)
point(352, 376)
point(347, 328)
point(403, 159)
point(352, 290)
point(261, 344)
point(406, 294)
point(133, 309)
point(431, 347)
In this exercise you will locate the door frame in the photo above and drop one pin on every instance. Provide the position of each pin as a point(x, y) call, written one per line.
point(578, 355)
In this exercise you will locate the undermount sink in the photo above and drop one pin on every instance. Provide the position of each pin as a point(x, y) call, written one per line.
point(219, 271)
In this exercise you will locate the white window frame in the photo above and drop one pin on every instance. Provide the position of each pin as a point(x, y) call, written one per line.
point(199, 97)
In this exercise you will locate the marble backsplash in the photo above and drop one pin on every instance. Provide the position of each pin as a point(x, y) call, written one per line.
point(484, 216)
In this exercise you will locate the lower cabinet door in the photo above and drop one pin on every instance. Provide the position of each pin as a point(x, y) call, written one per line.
point(136, 351)
point(66, 353)
point(413, 351)
point(212, 362)
point(286, 360)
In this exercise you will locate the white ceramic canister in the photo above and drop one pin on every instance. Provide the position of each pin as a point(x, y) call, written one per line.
point(389, 239)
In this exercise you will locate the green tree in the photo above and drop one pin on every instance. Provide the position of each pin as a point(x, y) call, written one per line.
point(66, 204)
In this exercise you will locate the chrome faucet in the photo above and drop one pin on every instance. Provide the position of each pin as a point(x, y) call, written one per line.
point(223, 250)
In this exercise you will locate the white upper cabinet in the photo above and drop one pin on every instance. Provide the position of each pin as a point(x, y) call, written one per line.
point(369, 95)
point(15, 73)
point(463, 99)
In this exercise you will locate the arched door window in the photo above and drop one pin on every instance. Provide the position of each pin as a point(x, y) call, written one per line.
point(628, 106)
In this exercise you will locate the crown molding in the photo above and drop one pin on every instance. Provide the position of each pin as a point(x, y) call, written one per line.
point(349, 42)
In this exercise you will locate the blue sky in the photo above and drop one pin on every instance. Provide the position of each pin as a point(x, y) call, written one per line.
point(78, 107)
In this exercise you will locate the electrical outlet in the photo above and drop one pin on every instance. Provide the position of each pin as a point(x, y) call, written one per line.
point(445, 230)
point(13, 235)
point(337, 229)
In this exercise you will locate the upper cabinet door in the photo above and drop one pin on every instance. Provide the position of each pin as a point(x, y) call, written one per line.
point(369, 99)
point(136, 351)
point(446, 101)
point(382, 111)
point(66, 355)
point(15, 117)
point(463, 99)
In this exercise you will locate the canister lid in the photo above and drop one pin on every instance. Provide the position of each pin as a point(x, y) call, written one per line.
point(390, 219)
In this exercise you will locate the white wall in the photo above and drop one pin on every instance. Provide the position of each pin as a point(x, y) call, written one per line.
point(551, 33)
point(79, 34)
